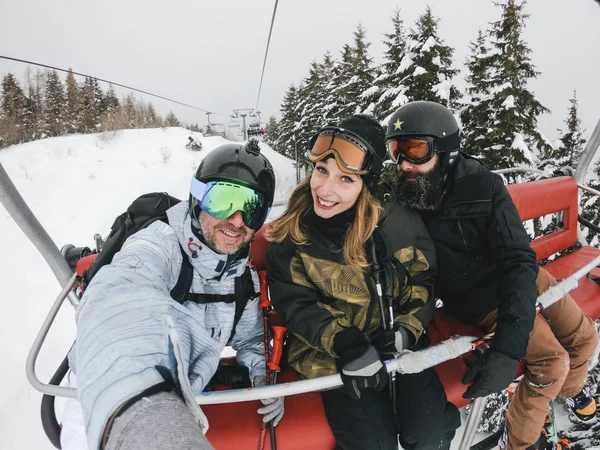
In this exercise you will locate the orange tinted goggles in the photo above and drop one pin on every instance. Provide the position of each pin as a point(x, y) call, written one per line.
point(351, 154)
point(415, 151)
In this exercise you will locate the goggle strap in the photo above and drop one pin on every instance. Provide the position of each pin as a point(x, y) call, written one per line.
point(198, 189)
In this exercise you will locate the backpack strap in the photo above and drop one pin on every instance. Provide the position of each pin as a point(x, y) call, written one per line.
point(243, 290)
point(182, 288)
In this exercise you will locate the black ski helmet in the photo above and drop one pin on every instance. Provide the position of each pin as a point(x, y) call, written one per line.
point(237, 163)
point(428, 119)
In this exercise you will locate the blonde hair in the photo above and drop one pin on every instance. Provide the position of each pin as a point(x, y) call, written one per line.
point(368, 213)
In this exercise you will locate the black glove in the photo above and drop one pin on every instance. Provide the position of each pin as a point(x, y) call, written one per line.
point(493, 372)
point(358, 363)
point(388, 342)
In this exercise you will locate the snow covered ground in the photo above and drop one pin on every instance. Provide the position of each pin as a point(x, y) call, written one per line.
point(76, 186)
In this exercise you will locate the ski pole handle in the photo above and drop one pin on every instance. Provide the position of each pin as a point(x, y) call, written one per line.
point(278, 334)
point(265, 303)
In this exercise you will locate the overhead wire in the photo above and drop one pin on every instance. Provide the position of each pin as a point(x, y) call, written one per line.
point(266, 54)
point(111, 82)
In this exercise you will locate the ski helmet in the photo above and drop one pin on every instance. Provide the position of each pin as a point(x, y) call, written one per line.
point(364, 134)
point(240, 165)
point(430, 120)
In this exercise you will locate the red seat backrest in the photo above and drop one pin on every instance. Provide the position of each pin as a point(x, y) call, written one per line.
point(258, 249)
point(538, 198)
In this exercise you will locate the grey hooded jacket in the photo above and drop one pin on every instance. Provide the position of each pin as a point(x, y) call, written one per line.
point(127, 322)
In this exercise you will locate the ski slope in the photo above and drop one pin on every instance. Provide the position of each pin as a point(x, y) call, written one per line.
point(76, 185)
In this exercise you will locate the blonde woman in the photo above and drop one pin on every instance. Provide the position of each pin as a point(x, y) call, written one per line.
point(321, 280)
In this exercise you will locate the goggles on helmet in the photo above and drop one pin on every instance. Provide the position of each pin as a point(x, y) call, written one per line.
point(352, 154)
point(414, 150)
point(221, 199)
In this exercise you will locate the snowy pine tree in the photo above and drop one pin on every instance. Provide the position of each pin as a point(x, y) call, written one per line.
point(290, 116)
point(55, 104)
point(475, 114)
point(111, 101)
point(312, 102)
point(390, 88)
point(153, 120)
point(13, 111)
point(35, 119)
point(352, 85)
point(111, 117)
point(272, 132)
point(426, 69)
point(572, 142)
point(513, 110)
point(92, 105)
point(171, 120)
point(128, 113)
point(591, 206)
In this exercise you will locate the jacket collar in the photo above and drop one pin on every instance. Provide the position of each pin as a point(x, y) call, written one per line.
point(206, 261)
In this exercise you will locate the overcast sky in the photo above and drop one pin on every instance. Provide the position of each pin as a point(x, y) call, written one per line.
point(210, 53)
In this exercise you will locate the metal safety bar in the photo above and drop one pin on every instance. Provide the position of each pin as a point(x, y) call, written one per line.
point(477, 409)
point(50, 389)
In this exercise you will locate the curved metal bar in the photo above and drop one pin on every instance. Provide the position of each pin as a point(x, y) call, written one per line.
point(580, 237)
point(26, 220)
point(521, 169)
point(477, 410)
point(588, 189)
point(37, 345)
point(588, 154)
point(409, 362)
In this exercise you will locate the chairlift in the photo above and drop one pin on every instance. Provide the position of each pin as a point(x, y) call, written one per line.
point(234, 123)
point(216, 129)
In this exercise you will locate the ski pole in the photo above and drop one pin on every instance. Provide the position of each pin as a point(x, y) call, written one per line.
point(265, 306)
point(376, 272)
point(273, 364)
point(388, 324)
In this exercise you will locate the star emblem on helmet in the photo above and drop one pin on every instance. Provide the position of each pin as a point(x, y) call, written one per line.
point(398, 125)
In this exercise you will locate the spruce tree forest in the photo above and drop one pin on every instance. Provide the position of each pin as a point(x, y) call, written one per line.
point(498, 113)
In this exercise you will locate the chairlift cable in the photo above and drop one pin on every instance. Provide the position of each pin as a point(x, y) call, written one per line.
point(109, 82)
point(266, 53)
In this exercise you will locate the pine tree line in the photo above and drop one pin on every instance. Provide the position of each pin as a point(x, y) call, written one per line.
point(498, 112)
point(416, 64)
point(47, 107)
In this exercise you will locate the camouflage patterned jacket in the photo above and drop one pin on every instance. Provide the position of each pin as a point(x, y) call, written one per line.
point(318, 294)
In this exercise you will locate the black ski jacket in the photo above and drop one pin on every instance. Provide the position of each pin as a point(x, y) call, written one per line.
point(484, 257)
point(318, 294)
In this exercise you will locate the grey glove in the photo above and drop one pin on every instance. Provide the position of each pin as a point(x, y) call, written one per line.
point(274, 408)
point(359, 364)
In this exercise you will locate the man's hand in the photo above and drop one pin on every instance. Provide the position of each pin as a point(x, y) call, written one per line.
point(274, 408)
point(493, 372)
point(359, 364)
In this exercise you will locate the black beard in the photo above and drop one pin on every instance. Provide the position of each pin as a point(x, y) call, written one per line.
point(422, 193)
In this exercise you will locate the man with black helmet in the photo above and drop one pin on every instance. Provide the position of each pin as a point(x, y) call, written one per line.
point(140, 356)
point(488, 275)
